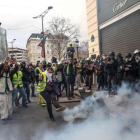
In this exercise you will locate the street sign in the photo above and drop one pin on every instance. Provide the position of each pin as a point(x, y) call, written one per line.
point(92, 38)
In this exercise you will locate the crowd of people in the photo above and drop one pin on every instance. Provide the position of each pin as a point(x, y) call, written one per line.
point(51, 79)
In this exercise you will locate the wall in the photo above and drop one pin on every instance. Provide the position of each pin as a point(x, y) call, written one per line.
point(92, 22)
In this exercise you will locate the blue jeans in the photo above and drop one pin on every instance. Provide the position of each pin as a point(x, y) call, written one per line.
point(22, 93)
point(27, 89)
point(33, 89)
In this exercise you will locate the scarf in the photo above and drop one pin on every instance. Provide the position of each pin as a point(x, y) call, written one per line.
point(49, 76)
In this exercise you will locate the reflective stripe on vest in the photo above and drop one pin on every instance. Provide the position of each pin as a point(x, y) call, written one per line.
point(68, 67)
point(42, 84)
point(40, 71)
point(54, 68)
point(17, 80)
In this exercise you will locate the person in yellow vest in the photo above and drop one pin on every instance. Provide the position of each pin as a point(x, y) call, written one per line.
point(46, 89)
point(17, 81)
point(78, 74)
point(70, 51)
point(38, 71)
point(70, 73)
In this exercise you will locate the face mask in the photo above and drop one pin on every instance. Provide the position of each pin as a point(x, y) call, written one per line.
point(128, 59)
point(137, 58)
point(104, 57)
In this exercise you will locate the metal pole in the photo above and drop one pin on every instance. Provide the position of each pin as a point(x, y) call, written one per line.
point(44, 39)
point(42, 25)
point(12, 49)
point(77, 52)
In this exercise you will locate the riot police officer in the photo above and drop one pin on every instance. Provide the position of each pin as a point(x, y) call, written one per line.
point(120, 71)
point(130, 69)
point(111, 68)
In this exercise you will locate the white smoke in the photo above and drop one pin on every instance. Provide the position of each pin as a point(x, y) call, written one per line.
point(96, 122)
point(82, 110)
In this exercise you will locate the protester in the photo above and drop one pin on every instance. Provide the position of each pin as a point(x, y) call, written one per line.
point(46, 89)
point(78, 74)
point(6, 89)
point(38, 71)
point(32, 71)
point(70, 73)
point(17, 81)
point(89, 73)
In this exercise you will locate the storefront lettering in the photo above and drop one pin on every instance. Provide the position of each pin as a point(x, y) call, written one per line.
point(118, 6)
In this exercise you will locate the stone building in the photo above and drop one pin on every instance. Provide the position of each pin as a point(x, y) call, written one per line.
point(34, 51)
point(18, 53)
point(113, 25)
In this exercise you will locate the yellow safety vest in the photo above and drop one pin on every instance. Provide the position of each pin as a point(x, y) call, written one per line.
point(40, 71)
point(68, 67)
point(42, 84)
point(54, 68)
point(17, 79)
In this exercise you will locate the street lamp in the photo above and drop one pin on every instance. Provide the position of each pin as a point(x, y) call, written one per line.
point(12, 42)
point(42, 15)
point(77, 42)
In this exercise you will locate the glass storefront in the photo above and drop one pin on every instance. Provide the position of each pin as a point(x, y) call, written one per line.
point(3, 45)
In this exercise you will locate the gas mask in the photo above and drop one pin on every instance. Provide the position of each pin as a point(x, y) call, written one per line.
point(23, 65)
point(128, 59)
point(104, 57)
point(137, 58)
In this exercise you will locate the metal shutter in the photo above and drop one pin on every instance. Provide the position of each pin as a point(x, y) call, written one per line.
point(122, 36)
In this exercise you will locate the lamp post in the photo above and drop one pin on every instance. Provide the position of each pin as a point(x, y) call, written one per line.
point(42, 15)
point(12, 42)
point(77, 46)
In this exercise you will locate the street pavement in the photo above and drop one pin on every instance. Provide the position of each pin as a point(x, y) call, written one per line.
point(29, 122)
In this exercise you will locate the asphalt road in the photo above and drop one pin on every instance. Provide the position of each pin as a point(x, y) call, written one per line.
point(30, 123)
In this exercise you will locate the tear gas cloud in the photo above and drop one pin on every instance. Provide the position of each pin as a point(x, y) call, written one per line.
point(99, 122)
point(90, 120)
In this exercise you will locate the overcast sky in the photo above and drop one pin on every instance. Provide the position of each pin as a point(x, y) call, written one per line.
point(16, 14)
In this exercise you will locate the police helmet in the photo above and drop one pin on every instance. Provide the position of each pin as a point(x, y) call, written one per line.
point(137, 51)
point(128, 55)
point(23, 64)
point(111, 54)
point(119, 55)
point(87, 59)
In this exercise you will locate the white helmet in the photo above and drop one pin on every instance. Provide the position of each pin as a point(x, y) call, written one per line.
point(59, 63)
point(136, 51)
point(87, 59)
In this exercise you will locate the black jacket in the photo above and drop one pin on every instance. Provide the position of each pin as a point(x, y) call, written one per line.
point(70, 77)
point(26, 73)
point(112, 68)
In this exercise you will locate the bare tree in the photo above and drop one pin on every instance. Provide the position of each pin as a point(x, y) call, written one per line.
point(62, 31)
point(84, 46)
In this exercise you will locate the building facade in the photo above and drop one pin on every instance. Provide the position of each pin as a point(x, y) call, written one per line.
point(92, 23)
point(118, 25)
point(19, 54)
point(34, 51)
point(3, 45)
